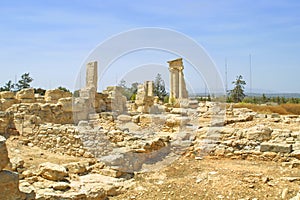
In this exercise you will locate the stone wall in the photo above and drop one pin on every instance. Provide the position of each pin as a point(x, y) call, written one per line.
point(57, 138)
point(7, 98)
point(9, 181)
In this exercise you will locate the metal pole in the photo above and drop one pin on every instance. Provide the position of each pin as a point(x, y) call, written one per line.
point(250, 62)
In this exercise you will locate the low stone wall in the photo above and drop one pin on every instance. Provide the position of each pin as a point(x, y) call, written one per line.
point(9, 181)
point(57, 138)
point(258, 141)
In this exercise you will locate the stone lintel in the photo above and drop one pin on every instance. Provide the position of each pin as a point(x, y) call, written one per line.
point(176, 64)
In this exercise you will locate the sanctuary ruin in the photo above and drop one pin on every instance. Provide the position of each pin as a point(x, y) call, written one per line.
point(89, 144)
point(177, 83)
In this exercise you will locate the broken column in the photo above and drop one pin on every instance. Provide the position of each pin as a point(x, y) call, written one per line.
point(177, 82)
point(85, 104)
point(115, 101)
point(91, 75)
point(144, 97)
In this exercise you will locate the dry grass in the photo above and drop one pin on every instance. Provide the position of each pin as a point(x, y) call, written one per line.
point(283, 109)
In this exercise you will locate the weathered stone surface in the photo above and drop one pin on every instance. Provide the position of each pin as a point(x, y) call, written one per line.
point(177, 82)
point(116, 101)
point(25, 94)
point(9, 184)
point(6, 103)
point(3, 153)
point(66, 104)
point(296, 154)
point(297, 197)
point(7, 95)
point(144, 97)
point(52, 96)
point(275, 147)
point(258, 133)
point(76, 168)
point(124, 118)
point(17, 164)
point(61, 186)
point(52, 171)
point(110, 172)
point(180, 111)
point(91, 74)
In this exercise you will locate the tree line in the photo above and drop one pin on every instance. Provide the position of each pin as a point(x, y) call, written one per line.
point(237, 95)
point(25, 82)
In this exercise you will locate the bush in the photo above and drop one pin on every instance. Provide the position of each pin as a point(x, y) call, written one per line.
point(283, 109)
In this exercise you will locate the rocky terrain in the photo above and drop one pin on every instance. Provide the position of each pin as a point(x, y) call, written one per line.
point(149, 150)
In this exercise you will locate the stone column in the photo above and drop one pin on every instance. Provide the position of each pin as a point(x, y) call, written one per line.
point(180, 95)
point(171, 84)
point(92, 75)
point(150, 88)
point(176, 83)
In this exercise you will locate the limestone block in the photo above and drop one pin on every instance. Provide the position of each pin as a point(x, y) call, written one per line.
point(27, 93)
point(3, 153)
point(136, 119)
point(66, 104)
point(80, 104)
point(7, 103)
point(180, 111)
point(193, 104)
point(158, 119)
point(124, 118)
point(35, 108)
point(275, 147)
point(170, 122)
point(76, 168)
point(52, 96)
point(182, 120)
point(7, 95)
point(62, 186)
point(110, 172)
point(88, 92)
point(52, 171)
point(27, 100)
point(154, 145)
point(145, 119)
point(9, 184)
point(258, 133)
point(202, 109)
point(296, 154)
point(17, 164)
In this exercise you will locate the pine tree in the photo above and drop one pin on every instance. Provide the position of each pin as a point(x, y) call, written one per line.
point(24, 82)
point(9, 86)
point(237, 94)
point(159, 87)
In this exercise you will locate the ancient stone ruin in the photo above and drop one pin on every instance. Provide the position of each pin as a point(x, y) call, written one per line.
point(145, 98)
point(111, 138)
point(177, 83)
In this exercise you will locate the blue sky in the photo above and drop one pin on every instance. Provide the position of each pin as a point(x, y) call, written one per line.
point(51, 39)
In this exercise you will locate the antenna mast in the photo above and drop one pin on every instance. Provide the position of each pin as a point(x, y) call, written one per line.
point(250, 63)
point(226, 84)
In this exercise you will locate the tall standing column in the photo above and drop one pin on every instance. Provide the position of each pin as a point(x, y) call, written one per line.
point(180, 95)
point(171, 85)
point(175, 83)
point(91, 75)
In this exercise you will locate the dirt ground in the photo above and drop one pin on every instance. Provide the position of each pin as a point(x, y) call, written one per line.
point(212, 178)
point(190, 178)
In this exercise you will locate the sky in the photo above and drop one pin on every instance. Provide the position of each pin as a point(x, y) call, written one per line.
point(51, 39)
